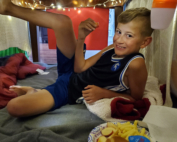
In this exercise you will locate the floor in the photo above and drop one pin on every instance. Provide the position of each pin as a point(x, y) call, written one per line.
point(47, 55)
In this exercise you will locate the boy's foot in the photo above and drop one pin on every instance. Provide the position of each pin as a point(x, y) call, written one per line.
point(22, 90)
point(4, 4)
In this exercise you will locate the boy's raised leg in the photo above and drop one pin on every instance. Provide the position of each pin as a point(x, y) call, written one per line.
point(61, 24)
point(41, 101)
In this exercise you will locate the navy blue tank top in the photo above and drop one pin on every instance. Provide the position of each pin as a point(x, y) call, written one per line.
point(108, 73)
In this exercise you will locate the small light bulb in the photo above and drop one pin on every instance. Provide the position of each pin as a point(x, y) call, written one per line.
point(59, 7)
point(75, 8)
point(79, 11)
point(9, 17)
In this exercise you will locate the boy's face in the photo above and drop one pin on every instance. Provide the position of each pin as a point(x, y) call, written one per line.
point(128, 38)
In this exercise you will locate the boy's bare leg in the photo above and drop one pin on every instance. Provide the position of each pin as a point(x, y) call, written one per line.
point(41, 101)
point(30, 104)
point(61, 24)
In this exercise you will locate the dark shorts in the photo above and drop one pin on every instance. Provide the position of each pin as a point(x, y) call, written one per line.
point(59, 89)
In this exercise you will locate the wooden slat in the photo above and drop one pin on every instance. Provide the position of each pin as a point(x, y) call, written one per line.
point(34, 44)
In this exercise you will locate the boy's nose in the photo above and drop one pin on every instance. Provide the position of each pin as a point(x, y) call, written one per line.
point(120, 39)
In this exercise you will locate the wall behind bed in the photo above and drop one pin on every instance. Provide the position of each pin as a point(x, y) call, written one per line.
point(98, 39)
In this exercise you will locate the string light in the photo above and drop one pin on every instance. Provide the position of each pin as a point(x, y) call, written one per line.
point(79, 11)
point(59, 7)
point(39, 3)
point(9, 17)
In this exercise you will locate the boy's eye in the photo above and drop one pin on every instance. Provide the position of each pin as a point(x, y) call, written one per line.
point(119, 32)
point(129, 35)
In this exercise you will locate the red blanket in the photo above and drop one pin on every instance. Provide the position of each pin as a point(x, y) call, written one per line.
point(17, 67)
point(129, 110)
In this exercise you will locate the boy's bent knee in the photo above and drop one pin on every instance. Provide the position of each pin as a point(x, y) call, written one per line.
point(63, 21)
point(15, 109)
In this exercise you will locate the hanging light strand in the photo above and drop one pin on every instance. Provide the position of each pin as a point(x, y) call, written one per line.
point(52, 6)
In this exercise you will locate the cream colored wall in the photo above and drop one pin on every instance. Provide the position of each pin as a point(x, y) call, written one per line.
point(13, 33)
point(174, 69)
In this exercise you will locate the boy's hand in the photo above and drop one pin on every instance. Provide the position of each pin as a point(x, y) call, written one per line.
point(86, 27)
point(92, 93)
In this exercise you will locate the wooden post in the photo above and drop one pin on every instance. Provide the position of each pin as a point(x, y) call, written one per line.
point(34, 42)
point(118, 11)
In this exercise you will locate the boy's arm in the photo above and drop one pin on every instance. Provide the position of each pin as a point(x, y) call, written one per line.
point(80, 64)
point(137, 76)
point(94, 93)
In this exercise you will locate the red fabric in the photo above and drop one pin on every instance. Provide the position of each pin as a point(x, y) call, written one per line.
point(17, 67)
point(98, 39)
point(163, 91)
point(129, 110)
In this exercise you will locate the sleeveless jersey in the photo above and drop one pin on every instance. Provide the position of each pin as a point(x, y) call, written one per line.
point(108, 73)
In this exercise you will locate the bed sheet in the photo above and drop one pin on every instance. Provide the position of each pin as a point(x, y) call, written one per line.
point(70, 123)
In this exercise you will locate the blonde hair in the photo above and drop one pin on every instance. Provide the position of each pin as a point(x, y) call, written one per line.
point(141, 14)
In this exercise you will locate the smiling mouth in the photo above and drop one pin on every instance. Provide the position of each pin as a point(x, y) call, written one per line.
point(120, 47)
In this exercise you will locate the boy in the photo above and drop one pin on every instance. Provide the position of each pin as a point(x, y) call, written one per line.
point(117, 70)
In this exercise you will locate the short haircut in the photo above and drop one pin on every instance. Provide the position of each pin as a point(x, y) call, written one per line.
point(141, 14)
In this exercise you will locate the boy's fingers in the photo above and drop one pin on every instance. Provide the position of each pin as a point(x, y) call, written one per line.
point(91, 20)
point(88, 86)
point(86, 99)
point(93, 23)
point(90, 26)
point(89, 101)
point(85, 92)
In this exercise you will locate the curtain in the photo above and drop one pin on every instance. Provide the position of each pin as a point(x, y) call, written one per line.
point(14, 33)
point(159, 53)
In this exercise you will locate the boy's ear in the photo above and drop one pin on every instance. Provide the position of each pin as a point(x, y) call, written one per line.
point(146, 42)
